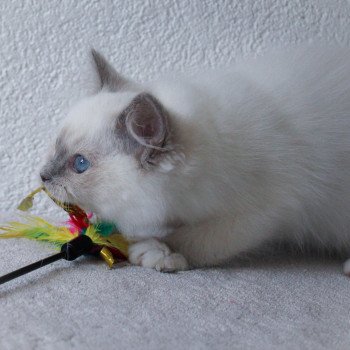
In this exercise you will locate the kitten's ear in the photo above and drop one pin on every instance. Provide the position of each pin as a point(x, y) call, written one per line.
point(108, 77)
point(145, 123)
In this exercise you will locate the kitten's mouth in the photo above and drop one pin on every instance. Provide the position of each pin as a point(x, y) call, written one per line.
point(62, 196)
point(58, 192)
point(74, 211)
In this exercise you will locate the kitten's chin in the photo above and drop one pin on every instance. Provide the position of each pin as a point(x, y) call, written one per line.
point(59, 193)
point(66, 197)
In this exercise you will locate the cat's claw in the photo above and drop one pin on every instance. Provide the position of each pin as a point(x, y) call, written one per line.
point(156, 255)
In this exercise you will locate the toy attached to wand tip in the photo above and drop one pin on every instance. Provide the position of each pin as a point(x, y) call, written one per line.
point(81, 237)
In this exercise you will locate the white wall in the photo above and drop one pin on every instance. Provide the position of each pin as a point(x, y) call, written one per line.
point(43, 44)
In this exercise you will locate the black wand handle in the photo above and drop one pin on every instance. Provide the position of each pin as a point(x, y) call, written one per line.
point(69, 251)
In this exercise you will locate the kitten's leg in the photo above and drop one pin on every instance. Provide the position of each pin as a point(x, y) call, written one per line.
point(207, 244)
point(154, 254)
point(214, 242)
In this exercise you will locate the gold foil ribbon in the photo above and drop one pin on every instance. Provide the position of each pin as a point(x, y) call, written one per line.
point(107, 256)
point(27, 202)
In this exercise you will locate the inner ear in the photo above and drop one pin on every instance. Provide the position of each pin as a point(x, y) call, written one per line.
point(146, 124)
point(146, 121)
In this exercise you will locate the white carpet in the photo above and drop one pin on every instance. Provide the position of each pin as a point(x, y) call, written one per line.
point(279, 303)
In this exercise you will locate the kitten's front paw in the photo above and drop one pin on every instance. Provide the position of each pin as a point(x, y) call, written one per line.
point(156, 255)
point(346, 267)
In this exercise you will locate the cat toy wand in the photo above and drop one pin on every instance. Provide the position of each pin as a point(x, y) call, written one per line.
point(69, 251)
point(92, 239)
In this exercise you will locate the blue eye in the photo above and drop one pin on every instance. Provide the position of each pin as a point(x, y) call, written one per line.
point(80, 164)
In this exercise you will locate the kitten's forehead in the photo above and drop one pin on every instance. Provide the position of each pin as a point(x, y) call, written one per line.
point(89, 118)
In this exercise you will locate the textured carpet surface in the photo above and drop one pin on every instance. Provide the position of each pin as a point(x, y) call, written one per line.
point(279, 303)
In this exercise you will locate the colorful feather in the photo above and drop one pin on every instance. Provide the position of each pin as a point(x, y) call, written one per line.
point(107, 241)
point(36, 228)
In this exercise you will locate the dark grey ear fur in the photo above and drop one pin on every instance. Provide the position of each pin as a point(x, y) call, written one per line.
point(144, 129)
point(109, 78)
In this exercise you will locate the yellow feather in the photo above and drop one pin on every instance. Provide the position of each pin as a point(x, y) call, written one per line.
point(37, 228)
point(114, 240)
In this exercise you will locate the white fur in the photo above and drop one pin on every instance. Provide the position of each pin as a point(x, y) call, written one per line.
point(262, 151)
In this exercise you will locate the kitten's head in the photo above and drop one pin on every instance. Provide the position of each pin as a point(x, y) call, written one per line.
point(110, 147)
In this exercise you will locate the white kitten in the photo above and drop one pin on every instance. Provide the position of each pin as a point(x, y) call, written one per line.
point(200, 169)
